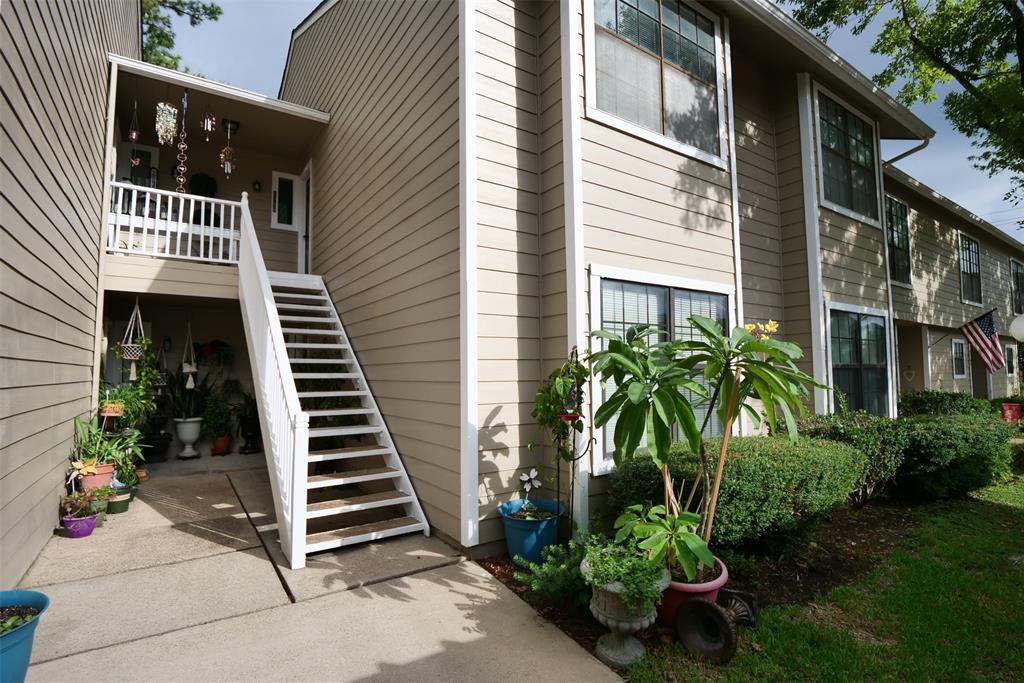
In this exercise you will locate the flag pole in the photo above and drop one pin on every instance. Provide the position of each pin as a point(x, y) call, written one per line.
point(961, 327)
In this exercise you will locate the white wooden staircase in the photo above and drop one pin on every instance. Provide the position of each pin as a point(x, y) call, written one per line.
point(337, 477)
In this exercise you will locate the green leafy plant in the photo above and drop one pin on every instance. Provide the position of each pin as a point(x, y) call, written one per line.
point(934, 402)
point(558, 405)
point(670, 539)
point(627, 568)
point(101, 492)
point(558, 577)
point(187, 403)
point(218, 419)
point(136, 402)
point(13, 617)
point(77, 505)
point(92, 445)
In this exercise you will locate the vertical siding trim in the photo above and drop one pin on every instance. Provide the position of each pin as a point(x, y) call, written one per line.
point(812, 230)
point(926, 356)
point(734, 183)
point(572, 168)
point(108, 162)
point(891, 339)
point(469, 487)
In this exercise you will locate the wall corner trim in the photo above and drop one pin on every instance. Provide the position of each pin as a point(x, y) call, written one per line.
point(469, 485)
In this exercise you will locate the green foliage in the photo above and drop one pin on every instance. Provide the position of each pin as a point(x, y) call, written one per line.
point(157, 34)
point(881, 440)
point(558, 576)
point(950, 455)
point(557, 400)
point(770, 486)
point(136, 401)
point(624, 564)
point(92, 444)
point(13, 622)
point(187, 403)
point(934, 402)
point(669, 539)
point(101, 492)
point(978, 44)
point(77, 505)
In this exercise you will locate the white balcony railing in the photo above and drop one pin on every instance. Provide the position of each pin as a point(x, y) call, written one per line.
point(150, 222)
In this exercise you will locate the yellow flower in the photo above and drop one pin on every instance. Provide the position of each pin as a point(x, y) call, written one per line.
point(85, 467)
point(772, 327)
point(749, 327)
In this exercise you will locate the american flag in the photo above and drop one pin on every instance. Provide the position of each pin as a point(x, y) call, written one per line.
point(984, 338)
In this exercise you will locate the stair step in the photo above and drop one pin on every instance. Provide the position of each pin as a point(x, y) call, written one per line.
point(352, 430)
point(316, 347)
point(332, 394)
point(361, 533)
point(283, 305)
point(319, 319)
point(337, 412)
point(366, 501)
point(325, 375)
point(347, 453)
point(321, 361)
point(304, 297)
point(319, 481)
point(313, 333)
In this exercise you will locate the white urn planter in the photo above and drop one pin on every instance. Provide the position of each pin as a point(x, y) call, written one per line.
point(619, 648)
point(188, 430)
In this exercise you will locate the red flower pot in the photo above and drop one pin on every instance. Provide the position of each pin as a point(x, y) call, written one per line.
point(1011, 413)
point(104, 473)
point(221, 445)
point(677, 593)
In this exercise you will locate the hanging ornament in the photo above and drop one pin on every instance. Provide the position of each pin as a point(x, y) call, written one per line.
point(130, 349)
point(166, 123)
point(188, 360)
point(227, 155)
point(181, 169)
point(133, 129)
point(208, 123)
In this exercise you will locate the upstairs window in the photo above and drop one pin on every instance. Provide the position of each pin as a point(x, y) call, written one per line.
point(656, 68)
point(1017, 286)
point(847, 159)
point(898, 237)
point(970, 270)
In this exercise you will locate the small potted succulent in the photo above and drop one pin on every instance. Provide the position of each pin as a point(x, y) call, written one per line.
point(77, 514)
point(626, 585)
point(100, 498)
point(19, 615)
point(530, 526)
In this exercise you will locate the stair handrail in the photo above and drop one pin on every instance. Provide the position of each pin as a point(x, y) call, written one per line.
point(285, 426)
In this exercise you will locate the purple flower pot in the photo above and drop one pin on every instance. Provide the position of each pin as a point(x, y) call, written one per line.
point(79, 527)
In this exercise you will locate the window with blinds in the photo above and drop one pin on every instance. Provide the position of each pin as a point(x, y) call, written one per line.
point(970, 269)
point(625, 304)
point(898, 237)
point(847, 158)
point(656, 67)
point(859, 367)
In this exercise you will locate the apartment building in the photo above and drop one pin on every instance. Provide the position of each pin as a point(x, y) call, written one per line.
point(454, 193)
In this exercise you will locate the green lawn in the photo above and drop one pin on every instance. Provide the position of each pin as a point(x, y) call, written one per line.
point(947, 605)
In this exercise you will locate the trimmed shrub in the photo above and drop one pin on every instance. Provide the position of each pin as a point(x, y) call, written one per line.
point(558, 576)
point(950, 455)
point(770, 486)
point(932, 402)
point(881, 440)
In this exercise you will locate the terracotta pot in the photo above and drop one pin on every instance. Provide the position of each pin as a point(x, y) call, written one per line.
point(112, 410)
point(221, 445)
point(678, 592)
point(104, 473)
point(1011, 413)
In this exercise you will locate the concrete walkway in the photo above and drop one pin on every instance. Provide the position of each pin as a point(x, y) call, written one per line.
point(190, 585)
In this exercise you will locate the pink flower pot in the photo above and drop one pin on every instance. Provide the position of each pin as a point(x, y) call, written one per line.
point(1011, 413)
point(79, 527)
point(677, 593)
point(104, 473)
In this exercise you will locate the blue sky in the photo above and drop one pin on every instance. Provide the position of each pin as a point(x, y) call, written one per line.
point(248, 45)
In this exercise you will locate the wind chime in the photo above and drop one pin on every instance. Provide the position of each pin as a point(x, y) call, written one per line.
point(181, 169)
point(188, 360)
point(133, 133)
point(130, 349)
point(208, 122)
point(166, 123)
point(227, 155)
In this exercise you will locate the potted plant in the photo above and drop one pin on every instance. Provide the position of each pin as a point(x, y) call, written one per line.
point(530, 526)
point(77, 514)
point(626, 587)
point(247, 418)
point(20, 612)
point(93, 454)
point(100, 498)
point(218, 418)
point(188, 406)
point(131, 403)
point(652, 382)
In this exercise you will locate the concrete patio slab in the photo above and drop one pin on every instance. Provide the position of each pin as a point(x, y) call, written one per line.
point(455, 623)
point(107, 610)
point(257, 497)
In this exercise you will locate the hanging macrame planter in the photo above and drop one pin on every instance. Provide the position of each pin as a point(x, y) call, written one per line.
point(130, 349)
point(188, 360)
point(161, 369)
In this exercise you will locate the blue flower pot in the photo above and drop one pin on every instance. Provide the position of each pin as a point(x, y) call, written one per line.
point(16, 645)
point(526, 538)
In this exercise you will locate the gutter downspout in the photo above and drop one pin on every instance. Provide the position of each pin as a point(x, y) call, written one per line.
point(913, 150)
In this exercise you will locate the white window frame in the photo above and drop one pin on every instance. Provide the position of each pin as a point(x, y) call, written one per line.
point(1008, 351)
point(960, 234)
point(890, 350)
point(590, 110)
point(1019, 263)
point(952, 357)
point(910, 242)
point(832, 206)
point(600, 465)
point(297, 201)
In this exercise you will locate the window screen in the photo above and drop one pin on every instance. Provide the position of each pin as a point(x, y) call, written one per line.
point(898, 232)
point(847, 158)
point(859, 367)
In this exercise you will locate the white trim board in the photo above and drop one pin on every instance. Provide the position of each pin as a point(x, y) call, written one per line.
point(469, 485)
point(611, 120)
point(214, 88)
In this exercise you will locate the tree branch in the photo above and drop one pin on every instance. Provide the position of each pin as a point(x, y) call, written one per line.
point(1017, 16)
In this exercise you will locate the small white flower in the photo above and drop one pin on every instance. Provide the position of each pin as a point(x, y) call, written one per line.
point(530, 481)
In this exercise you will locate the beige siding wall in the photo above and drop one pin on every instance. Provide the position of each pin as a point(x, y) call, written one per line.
point(55, 83)
point(386, 217)
point(508, 249)
point(940, 351)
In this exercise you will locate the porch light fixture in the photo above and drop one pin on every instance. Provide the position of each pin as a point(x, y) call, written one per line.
point(1017, 328)
point(257, 186)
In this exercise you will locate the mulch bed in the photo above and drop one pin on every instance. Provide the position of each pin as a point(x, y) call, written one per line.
point(841, 550)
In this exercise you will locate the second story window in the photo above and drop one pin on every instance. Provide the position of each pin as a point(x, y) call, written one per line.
point(898, 238)
point(847, 159)
point(657, 68)
point(970, 270)
point(1017, 286)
